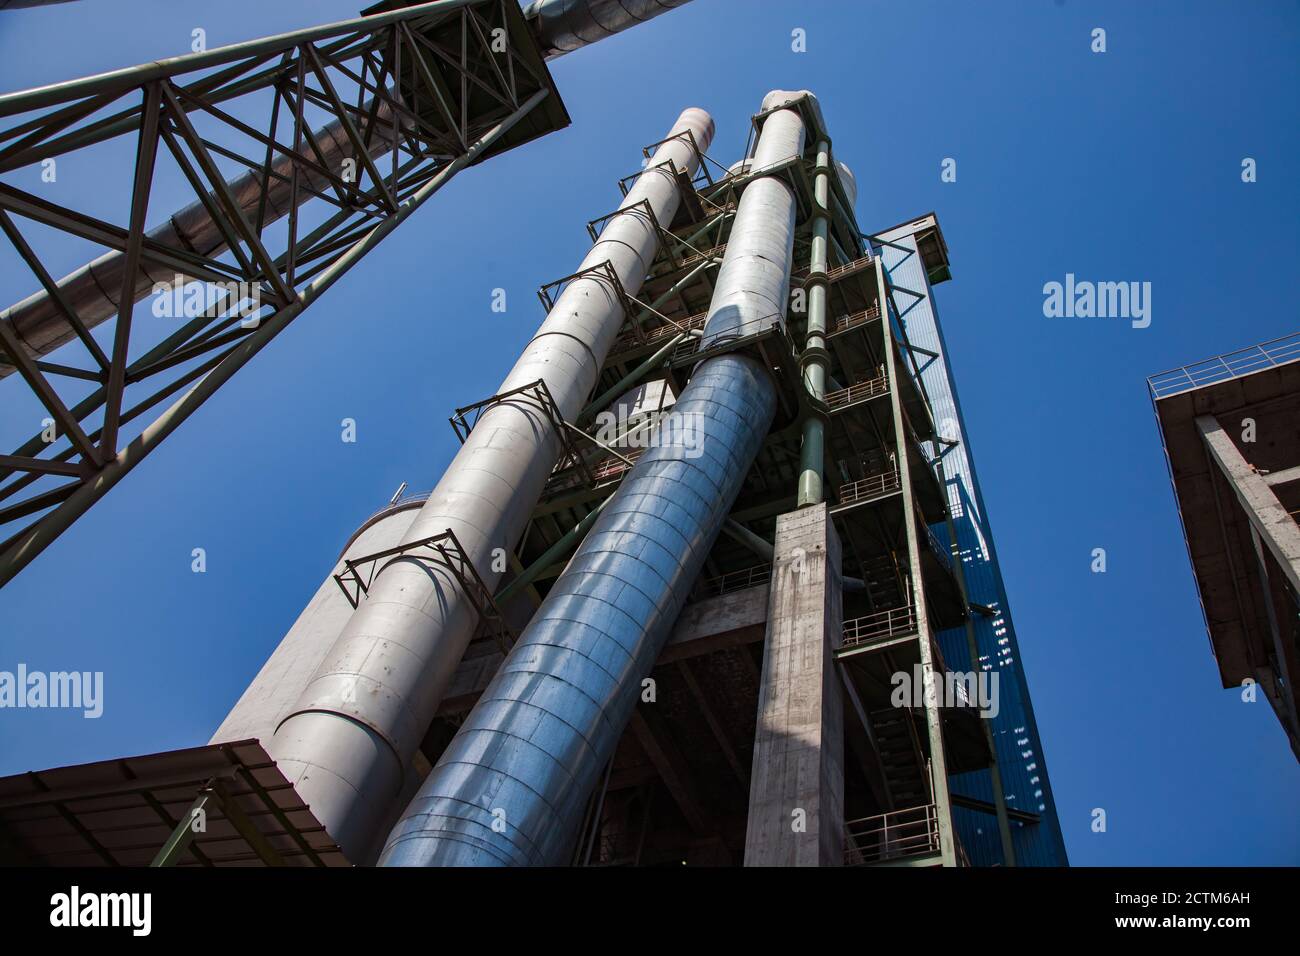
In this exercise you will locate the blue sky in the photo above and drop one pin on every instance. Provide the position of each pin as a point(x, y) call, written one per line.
point(1116, 166)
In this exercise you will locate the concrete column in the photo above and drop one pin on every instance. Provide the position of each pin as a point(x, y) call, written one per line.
point(1268, 517)
point(796, 795)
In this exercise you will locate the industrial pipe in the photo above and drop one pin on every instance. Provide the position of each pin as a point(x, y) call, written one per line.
point(266, 701)
point(364, 713)
point(511, 787)
point(812, 452)
point(567, 25)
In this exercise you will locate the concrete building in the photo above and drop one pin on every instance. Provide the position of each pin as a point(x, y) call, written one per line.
point(1231, 432)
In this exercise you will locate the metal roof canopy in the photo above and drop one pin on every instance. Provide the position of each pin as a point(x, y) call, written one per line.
point(929, 241)
point(122, 812)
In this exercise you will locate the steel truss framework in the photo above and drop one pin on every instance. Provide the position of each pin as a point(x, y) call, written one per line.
point(414, 95)
point(444, 549)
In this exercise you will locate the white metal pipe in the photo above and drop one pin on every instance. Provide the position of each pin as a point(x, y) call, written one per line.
point(365, 711)
point(267, 699)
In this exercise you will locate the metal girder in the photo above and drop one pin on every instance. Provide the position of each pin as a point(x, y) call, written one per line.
point(435, 86)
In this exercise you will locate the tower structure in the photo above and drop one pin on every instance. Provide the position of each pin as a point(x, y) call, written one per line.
point(747, 617)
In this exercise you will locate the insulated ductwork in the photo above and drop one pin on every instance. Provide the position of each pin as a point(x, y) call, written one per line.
point(567, 25)
point(512, 785)
point(365, 711)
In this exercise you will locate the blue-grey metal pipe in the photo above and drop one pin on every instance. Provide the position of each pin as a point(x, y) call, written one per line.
point(511, 787)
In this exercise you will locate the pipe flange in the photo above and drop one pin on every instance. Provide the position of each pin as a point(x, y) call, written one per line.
point(813, 355)
point(819, 277)
point(816, 408)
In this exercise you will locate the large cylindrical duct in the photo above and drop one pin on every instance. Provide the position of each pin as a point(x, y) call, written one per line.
point(567, 25)
point(511, 787)
point(276, 688)
point(367, 708)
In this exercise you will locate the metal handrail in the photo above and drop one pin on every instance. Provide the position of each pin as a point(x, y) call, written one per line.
point(872, 486)
point(943, 554)
point(1230, 365)
point(613, 466)
point(855, 318)
point(712, 253)
point(410, 497)
point(858, 391)
point(898, 834)
point(736, 580)
point(855, 265)
point(630, 340)
point(879, 625)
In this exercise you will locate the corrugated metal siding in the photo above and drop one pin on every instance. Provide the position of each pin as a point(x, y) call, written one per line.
point(1020, 752)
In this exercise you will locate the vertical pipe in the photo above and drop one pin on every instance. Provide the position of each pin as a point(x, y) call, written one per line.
point(812, 453)
point(363, 714)
point(511, 787)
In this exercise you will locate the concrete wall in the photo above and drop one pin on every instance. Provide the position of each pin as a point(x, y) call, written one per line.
point(796, 797)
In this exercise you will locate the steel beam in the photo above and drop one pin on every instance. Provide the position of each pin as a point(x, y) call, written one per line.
point(938, 766)
point(29, 543)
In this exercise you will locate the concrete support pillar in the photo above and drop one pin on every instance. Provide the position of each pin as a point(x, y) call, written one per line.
point(796, 795)
point(1273, 532)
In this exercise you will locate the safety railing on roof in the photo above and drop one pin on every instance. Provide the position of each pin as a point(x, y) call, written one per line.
point(1231, 365)
point(411, 497)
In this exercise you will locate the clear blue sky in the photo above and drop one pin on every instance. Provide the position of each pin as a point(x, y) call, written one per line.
point(1116, 166)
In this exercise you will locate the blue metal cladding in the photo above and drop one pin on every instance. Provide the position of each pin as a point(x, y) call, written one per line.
point(1019, 750)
